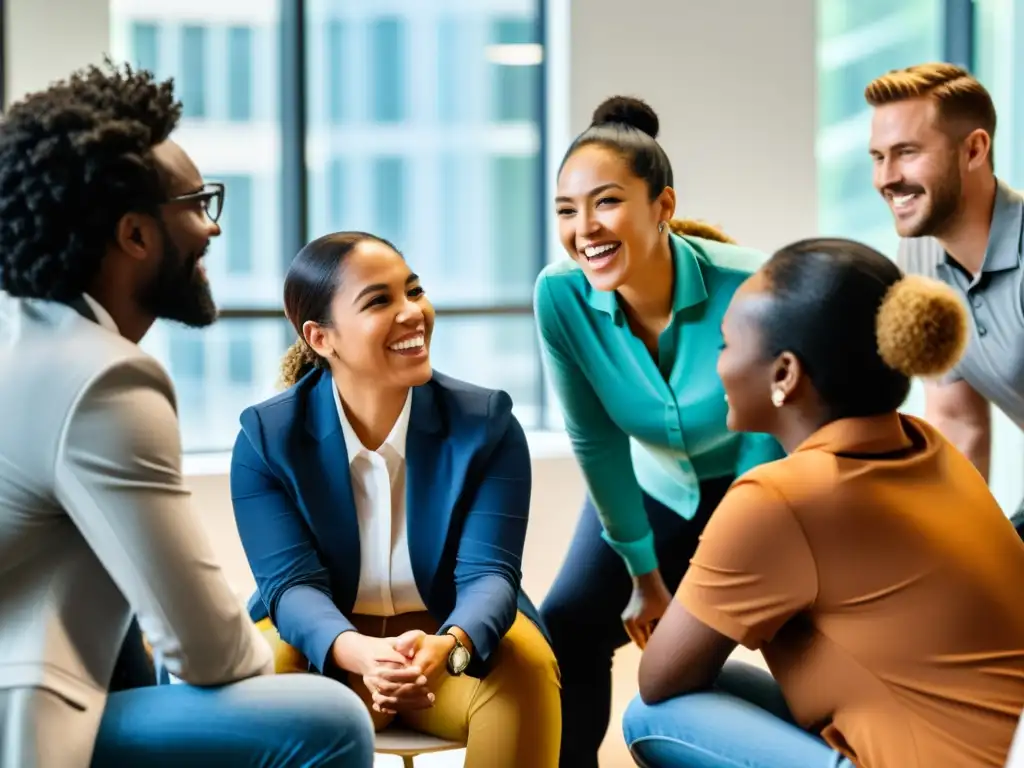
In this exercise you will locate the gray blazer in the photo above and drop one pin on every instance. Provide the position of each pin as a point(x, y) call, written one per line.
point(95, 526)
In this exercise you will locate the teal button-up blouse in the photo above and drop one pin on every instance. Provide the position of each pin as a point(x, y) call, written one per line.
point(640, 425)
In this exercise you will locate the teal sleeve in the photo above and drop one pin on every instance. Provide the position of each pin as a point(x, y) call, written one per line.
point(757, 449)
point(601, 448)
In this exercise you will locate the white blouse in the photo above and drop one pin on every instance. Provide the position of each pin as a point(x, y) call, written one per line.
point(386, 583)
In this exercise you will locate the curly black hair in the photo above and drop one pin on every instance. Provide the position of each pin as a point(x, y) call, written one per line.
point(74, 159)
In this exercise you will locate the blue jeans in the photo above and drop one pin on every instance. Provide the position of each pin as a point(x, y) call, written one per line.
point(743, 722)
point(300, 721)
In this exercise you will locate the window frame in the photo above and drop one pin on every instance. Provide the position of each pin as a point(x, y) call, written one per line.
point(293, 91)
point(959, 19)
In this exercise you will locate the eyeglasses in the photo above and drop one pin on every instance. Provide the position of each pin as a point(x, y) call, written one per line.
point(211, 197)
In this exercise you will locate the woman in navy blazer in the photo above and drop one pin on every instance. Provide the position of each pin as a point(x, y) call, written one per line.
point(383, 511)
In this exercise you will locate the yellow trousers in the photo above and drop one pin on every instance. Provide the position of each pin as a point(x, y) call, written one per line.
point(510, 719)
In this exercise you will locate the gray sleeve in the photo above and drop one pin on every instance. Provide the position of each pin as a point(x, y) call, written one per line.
point(921, 256)
point(118, 476)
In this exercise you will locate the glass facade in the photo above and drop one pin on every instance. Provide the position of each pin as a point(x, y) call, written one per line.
point(858, 40)
point(422, 125)
point(999, 64)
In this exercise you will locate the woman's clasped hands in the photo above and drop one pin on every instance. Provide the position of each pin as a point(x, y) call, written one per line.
point(399, 672)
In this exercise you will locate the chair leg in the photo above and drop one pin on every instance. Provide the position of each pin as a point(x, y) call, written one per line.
point(407, 761)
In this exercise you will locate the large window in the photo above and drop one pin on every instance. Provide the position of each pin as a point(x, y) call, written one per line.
point(336, 48)
point(240, 66)
point(192, 84)
point(858, 40)
point(999, 64)
point(237, 225)
point(389, 48)
point(145, 44)
point(418, 121)
point(390, 192)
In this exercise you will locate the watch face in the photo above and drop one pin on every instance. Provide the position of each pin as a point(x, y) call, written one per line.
point(459, 659)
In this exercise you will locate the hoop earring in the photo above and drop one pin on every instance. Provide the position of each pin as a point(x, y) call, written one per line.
point(778, 398)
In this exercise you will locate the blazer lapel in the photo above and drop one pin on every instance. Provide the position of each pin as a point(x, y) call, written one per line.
point(332, 512)
point(428, 488)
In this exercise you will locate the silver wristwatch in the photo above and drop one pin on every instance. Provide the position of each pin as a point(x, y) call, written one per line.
point(458, 658)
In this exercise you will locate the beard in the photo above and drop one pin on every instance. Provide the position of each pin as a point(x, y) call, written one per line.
point(945, 202)
point(180, 291)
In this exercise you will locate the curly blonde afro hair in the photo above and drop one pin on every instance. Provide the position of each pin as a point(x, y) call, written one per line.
point(921, 327)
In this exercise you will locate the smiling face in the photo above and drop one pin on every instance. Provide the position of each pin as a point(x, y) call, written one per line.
point(606, 220)
point(918, 167)
point(747, 373)
point(381, 320)
point(176, 287)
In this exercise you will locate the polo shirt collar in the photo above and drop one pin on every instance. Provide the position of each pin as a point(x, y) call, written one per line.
point(689, 289)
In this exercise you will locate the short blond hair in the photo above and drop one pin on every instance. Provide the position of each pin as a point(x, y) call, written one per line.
point(962, 100)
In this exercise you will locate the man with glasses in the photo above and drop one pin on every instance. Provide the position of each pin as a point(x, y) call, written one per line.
point(104, 223)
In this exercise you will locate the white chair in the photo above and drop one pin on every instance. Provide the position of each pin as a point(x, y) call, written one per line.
point(408, 744)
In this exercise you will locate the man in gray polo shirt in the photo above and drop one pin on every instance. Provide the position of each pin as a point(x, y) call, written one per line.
point(931, 140)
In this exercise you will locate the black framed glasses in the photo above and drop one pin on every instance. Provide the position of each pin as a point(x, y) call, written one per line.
point(211, 197)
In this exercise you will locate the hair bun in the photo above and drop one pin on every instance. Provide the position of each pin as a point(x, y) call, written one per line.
point(626, 110)
point(921, 327)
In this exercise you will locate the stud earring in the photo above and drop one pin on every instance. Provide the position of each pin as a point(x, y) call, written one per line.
point(778, 398)
point(661, 226)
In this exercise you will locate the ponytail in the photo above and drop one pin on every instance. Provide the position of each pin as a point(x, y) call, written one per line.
point(299, 360)
point(700, 229)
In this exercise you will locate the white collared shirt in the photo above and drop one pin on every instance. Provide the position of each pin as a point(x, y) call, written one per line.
point(386, 583)
point(102, 316)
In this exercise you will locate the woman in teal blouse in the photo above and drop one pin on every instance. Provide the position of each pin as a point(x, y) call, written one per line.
point(630, 329)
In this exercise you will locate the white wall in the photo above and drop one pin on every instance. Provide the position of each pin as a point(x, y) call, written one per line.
point(47, 39)
point(734, 84)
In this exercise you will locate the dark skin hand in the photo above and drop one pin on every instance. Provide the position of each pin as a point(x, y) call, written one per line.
point(684, 655)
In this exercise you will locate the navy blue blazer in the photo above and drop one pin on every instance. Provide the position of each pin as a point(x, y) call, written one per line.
point(468, 481)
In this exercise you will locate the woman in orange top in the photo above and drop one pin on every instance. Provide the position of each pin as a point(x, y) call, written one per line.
point(871, 566)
